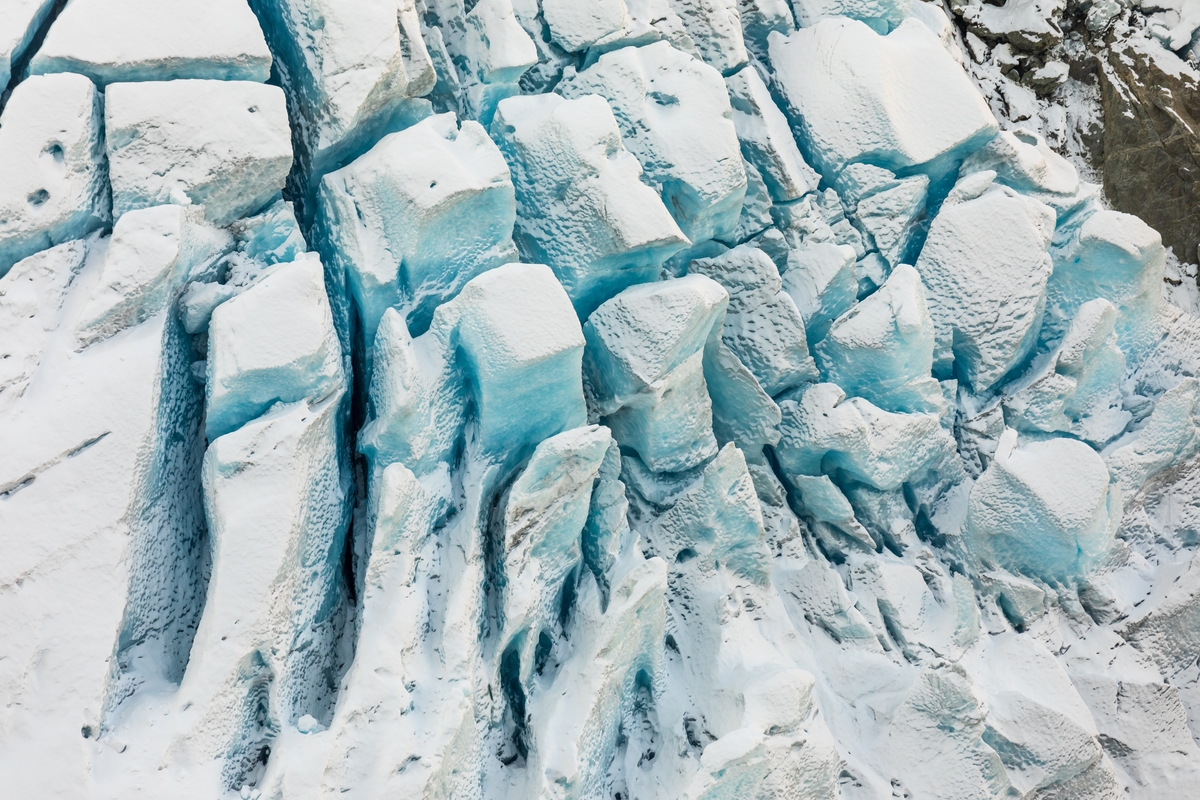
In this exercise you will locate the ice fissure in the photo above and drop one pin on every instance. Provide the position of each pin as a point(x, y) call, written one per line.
point(592, 399)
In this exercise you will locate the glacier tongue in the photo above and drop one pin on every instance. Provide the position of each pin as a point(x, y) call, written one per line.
point(584, 399)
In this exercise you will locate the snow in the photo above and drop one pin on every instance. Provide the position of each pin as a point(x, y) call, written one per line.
point(152, 40)
point(225, 145)
point(152, 254)
point(894, 101)
point(614, 398)
point(52, 159)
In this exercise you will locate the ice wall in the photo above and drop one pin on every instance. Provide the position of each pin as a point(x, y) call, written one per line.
point(577, 399)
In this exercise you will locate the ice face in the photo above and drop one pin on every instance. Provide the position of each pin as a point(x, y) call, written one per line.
point(606, 398)
point(416, 217)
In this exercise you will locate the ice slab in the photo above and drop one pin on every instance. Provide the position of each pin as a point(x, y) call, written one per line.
point(155, 40)
point(1171, 435)
point(1044, 508)
point(822, 429)
point(274, 497)
point(1022, 159)
point(644, 366)
point(763, 327)
point(1076, 389)
point(881, 15)
point(1115, 256)
point(416, 217)
point(52, 159)
point(821, 281)
point(675, 116)
point(274, 343)
point(582, 208)
point(225, 145)
point(577, 26)
point(717, 520)
point(897, 101)
point(356, 72)
point(153, 253)
point(521, 349)
point(882, 348)
point(766, 138)
point(985, 265)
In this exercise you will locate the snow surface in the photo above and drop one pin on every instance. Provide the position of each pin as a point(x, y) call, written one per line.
point(582, 399)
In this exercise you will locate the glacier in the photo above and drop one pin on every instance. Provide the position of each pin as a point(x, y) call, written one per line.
point(596, 400)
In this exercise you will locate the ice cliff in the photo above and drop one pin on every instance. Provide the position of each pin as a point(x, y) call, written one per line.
point(624, 399)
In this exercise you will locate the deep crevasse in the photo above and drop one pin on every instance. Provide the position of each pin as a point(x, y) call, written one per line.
point(671, 398)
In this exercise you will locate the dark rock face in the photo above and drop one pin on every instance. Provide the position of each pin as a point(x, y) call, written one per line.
point(1151, 104)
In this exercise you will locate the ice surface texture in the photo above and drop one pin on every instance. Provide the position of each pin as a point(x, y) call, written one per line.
point(577, 399)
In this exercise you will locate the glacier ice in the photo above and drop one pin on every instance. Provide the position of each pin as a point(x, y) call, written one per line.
point(591, 399)
point(417, 216)
point(274, 343)
point(985, 267)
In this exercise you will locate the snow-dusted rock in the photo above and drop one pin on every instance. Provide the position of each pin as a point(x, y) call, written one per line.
point(674, 115)
point(155, 40)
point(416, 217)
point(985, 266)
point(583, 209)
point(644, 365)
point(52, 159)
point(882, 348)
point(1045, 508)
point(225, 145)
point(897, 101)
point(766, 138)
point(153, 253)
point(274, 343)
